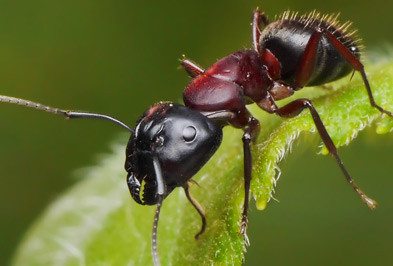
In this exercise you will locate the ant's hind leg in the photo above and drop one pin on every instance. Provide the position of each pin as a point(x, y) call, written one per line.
point(357, 65)
point(191, 67)
point(295, 108)
point(307, 60)
point(259, 20)
point(307, 63)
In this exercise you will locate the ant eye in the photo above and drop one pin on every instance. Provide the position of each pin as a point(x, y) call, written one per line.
point(189, 133)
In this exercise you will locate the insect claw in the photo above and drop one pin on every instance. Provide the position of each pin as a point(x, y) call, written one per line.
point(243, 232)
point(372, 204)
point(192, 181)
point(353, 73)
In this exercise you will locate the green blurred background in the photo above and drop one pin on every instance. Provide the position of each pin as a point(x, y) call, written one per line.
point(118, 57)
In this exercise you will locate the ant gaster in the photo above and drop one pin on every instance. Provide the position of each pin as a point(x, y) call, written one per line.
point(171, 142)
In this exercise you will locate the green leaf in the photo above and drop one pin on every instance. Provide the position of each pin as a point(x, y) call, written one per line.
point(96, 222)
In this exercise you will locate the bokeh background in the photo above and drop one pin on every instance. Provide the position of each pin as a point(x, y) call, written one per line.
point(118, 57)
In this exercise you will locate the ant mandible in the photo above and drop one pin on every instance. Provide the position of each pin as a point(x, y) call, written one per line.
point(171, 142)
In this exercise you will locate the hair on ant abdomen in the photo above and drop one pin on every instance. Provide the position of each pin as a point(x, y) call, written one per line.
point(285, 38)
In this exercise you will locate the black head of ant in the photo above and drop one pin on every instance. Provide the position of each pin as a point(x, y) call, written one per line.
point(170, 141)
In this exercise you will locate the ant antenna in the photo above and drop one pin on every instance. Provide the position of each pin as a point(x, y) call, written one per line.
point(154, 250)
point(161, 190)
point(57, 111)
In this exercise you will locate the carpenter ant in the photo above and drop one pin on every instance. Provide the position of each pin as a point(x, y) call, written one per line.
point(171, 142)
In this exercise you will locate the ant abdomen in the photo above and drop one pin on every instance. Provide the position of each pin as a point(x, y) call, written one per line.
point(288, 37)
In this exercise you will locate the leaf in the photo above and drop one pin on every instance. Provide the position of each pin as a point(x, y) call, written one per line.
point(96, 222)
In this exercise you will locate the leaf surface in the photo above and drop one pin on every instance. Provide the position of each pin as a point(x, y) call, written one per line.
point(96, 221)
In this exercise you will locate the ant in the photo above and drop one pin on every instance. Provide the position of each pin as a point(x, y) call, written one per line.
point(171, 142)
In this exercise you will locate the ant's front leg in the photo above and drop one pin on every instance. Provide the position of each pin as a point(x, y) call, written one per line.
point(198, 207)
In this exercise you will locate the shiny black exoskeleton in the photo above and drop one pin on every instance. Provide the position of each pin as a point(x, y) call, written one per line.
point(285, 39)
point(170, 141)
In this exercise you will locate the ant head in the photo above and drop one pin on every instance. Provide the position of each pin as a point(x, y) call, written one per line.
point(180, 139)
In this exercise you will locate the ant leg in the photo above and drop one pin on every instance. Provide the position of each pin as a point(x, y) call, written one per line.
point(194, 182)
point(308, 60)
point(220, 117)
point(57, 111)
point(307, 63)
point(191, 68)
point(295, 108)
point(251, 131)
point(259, 19)
point(357, 65)
point(198, 208)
